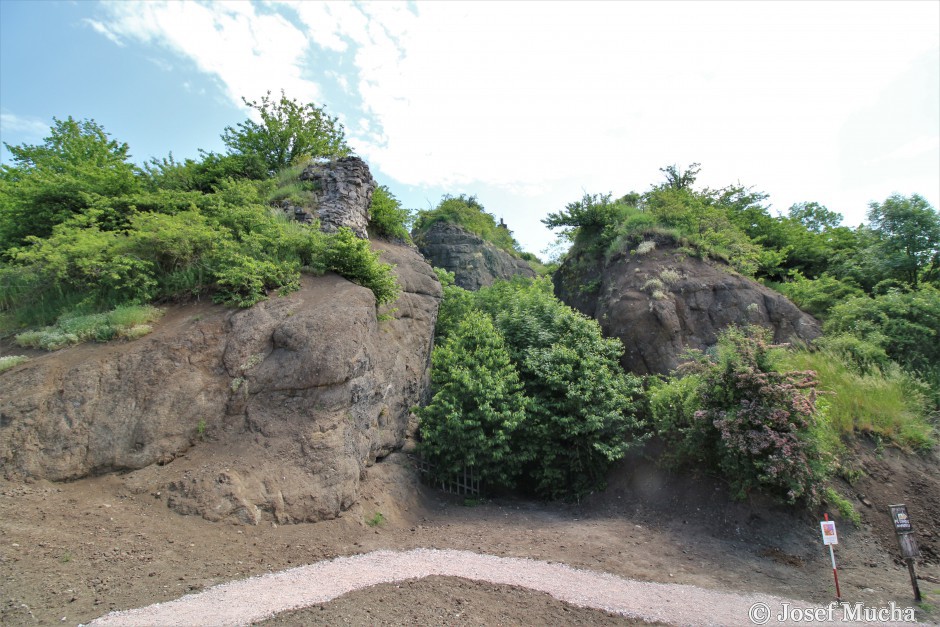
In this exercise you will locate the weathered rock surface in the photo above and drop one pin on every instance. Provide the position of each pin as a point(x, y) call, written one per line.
point(664, 302)
point(343, 194)
point(267, 413)
point(475, 262)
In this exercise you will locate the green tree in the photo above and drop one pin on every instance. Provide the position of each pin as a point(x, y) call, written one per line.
point(77, 169)
point(909, 229)
point(815, 217)
point(478, 405)
point(288, 132)
point(582, 416)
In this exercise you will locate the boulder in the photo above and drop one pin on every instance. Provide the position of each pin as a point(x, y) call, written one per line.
point(661, 301)
point(475, 262)
point(271, 412)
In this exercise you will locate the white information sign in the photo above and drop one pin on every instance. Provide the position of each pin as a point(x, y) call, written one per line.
point(829, 532)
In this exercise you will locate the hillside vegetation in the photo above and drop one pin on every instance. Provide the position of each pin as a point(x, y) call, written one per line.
point(770, 419)
point(83, 230)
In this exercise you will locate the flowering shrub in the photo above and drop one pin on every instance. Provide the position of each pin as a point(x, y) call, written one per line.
point(753, 424)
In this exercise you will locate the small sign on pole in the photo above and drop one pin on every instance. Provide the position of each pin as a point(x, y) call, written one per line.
point(830, 537)
point(905, 532)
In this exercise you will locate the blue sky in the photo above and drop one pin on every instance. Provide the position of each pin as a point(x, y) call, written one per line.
point(527, 105)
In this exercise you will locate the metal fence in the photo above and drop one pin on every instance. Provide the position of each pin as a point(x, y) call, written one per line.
point(464, 483)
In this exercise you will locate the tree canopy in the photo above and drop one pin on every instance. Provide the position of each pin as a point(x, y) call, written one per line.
point(288, 132)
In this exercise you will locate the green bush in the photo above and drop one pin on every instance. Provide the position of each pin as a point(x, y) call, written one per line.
point(387, 218)
point(581, 414)
point(468, 213)
point(477, 405)
point(10, 361)
point(741, 417)
point(817, 296)
point(129, 322)
point(352, 258)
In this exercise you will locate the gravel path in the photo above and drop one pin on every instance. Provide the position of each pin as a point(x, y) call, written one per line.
point(244, 601)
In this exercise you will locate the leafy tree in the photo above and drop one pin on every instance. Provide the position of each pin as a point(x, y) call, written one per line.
point(77, 169)
point(815, 217)
point(478, 405)
point(909, 229)
point(288, 132)
point(906, 324)
point(677, 179)
point(582, 415)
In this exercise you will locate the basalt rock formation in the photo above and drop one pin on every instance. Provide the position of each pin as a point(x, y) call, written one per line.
point(270, 412)
point(343, 189)
point(660, 301)
point(475, 262)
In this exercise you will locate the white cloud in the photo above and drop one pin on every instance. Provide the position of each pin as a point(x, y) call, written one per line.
point(104, 30)
point(545, 99)
point(247, 51)
point(28, 127)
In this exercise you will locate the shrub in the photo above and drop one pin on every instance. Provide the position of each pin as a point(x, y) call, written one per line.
point(477, 405)
point(743, 418)
point(129, 322)
point(10, 361)
point(387, 218)
point(582, 416)
point(468, 213)
point(352, 258)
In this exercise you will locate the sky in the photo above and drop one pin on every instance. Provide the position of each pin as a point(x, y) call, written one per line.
point(526, 105)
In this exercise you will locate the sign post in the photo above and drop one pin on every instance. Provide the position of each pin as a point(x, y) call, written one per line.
point(830, 538)
point(905, 532)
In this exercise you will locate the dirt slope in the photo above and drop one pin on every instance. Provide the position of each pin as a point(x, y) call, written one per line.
point(79, 550)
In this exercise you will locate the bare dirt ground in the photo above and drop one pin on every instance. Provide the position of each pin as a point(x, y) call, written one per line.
point(73, 552)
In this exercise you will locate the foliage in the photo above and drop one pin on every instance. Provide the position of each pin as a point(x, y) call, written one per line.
point(129, 322)
point(742, 417)
point(845, 507)
point(376, 520)
point(467, 212)
point(876, 399)
point(905, 324)
point(817, 296)
point(75, 171)
point(123, 237)
point(387, 218)
point(477, 405)
point(351, 257)
point(10, 361)
point(289, 132)
point(909, 232)
point(580, 416)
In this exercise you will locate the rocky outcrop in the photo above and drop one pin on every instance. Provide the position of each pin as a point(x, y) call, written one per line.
point(343, 190)
point(659, 301)
point(475, 262)
point(267, 413)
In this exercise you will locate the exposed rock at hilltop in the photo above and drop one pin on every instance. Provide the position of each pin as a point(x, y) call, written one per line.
point(664, 301)
point(343, 190)
point(269, 412)
point(475, 262)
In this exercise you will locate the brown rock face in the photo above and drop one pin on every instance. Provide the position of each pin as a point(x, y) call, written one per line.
point(475, 262)
point(663, 302)
point(267, 413)
point(344, 193)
